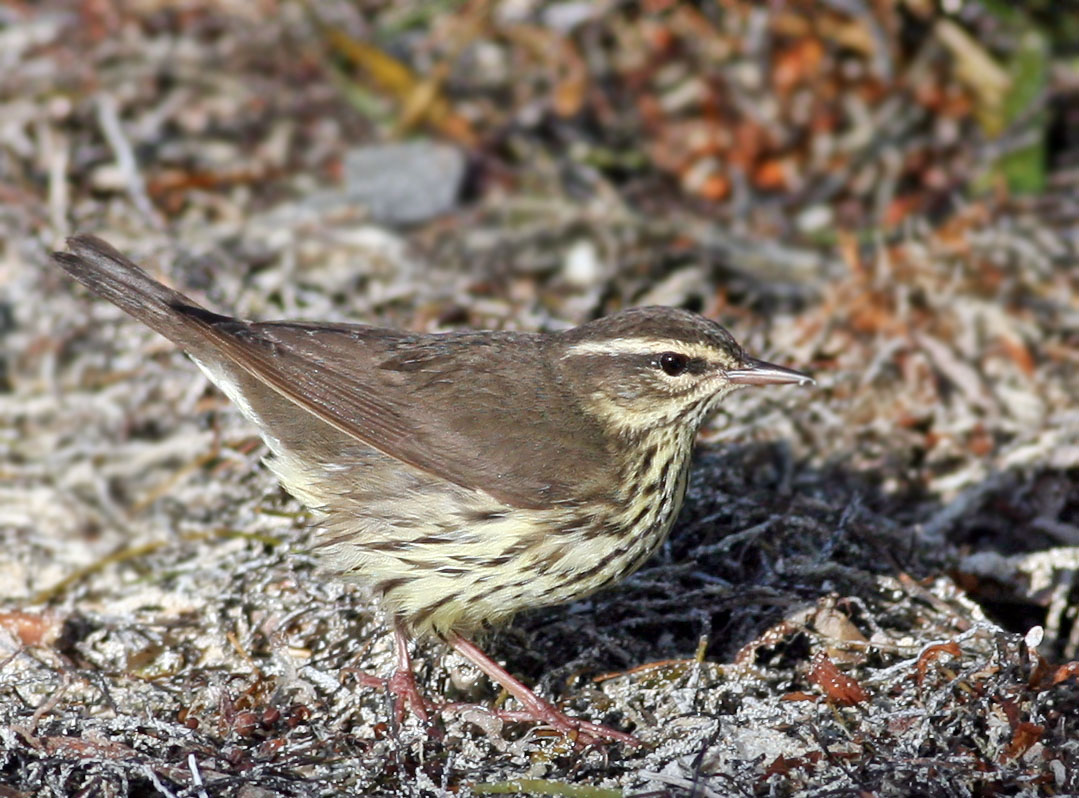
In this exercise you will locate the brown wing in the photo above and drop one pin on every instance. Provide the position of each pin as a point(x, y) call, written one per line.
point(483, 410)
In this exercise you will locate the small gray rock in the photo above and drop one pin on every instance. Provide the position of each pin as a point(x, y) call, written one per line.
point(405, 183)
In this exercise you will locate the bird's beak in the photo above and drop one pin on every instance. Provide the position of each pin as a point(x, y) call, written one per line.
point(757, 372)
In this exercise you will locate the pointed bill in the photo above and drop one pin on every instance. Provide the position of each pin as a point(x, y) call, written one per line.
point(757, 372)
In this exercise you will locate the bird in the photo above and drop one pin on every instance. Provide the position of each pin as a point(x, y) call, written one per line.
point(464, 476)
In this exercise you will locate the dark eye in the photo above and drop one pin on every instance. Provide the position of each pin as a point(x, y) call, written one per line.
point(672, 363)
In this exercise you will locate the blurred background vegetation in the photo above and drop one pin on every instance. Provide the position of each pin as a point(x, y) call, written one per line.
point(879, 578)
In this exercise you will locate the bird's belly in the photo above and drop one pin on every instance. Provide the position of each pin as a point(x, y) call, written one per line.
point(449, 559)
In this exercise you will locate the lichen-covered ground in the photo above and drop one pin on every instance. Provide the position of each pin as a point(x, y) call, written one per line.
point(872, 588)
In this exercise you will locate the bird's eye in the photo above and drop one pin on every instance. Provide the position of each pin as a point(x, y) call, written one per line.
point(673, 363)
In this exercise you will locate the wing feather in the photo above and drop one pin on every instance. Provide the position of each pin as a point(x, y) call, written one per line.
point(482, 410)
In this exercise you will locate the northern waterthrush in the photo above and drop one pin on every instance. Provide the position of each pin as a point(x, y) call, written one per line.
point(468, 475)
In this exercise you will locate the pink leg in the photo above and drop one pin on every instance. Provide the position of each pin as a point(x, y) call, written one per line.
point(403, 682)
point(402, 685)
point(535, 707)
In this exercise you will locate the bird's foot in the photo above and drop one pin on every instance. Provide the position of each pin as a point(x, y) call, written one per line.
point(402, 686)
point(582, 732)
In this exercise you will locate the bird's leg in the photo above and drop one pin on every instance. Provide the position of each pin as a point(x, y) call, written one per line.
point(535, 707)
point(402, 685)
point(403, 682)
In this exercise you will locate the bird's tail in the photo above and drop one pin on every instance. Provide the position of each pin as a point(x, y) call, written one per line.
point(106, 272)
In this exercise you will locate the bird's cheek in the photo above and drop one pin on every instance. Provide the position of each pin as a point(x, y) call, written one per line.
point(719, 393)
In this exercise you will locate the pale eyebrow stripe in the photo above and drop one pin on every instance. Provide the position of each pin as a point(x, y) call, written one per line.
point(640, 346)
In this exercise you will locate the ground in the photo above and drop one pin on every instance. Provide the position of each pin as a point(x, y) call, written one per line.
point(871, 589)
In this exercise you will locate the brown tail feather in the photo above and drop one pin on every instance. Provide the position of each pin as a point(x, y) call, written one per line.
point(106, 272)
